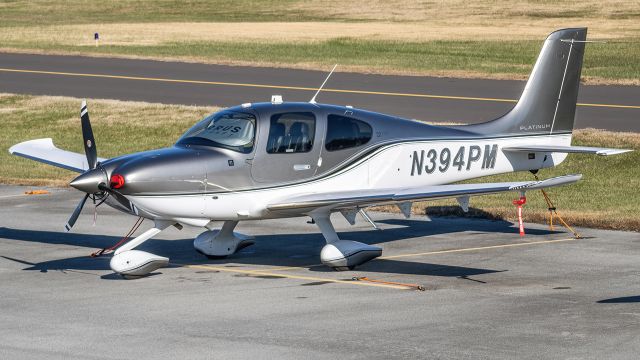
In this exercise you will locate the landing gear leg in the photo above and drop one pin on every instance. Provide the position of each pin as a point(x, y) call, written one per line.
point(339, 254)
point(220, 243)
point(135, 263)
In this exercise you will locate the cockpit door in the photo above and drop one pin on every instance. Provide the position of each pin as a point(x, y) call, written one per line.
point(289, 148)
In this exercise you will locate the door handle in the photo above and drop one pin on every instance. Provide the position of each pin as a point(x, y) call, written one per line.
point(300, 167)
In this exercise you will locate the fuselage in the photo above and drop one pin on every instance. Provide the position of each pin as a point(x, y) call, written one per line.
point(231, 166)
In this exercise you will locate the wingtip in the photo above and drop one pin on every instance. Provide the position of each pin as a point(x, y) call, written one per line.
point(608, 152)
point(13, 149)
point(570, 177)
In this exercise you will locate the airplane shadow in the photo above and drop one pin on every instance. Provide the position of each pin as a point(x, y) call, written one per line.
point(621, 300)
point(410, 228)
point(74, 263)
point(296, 250)
point(406, 228)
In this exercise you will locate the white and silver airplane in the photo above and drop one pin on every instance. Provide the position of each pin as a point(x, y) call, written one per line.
point(282, 159)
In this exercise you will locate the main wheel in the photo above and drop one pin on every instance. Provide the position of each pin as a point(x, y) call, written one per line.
point(344, 268)
point(213, 257)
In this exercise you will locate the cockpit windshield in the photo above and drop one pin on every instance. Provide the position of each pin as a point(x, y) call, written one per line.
point(226, 129)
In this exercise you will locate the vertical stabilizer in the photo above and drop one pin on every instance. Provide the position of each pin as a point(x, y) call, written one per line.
point(548, 102)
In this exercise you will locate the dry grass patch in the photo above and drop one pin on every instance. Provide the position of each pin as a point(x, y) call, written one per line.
point(492, 11)
point(48, 12)
point(161, 33)
point(147, 34)
point(597, 137)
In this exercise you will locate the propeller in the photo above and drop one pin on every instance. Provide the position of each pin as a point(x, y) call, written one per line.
point(92, 162)
point(76, 213)
point(87, 135)
point(105, 188)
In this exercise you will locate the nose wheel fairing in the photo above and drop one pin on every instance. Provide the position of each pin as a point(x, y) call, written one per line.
point(137, 263)
point(134, 263)
point(219, 243)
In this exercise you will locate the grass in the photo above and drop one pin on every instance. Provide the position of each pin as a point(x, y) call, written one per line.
point(49, 12)
point(119, 128)
point(45, 12)
point(606, 198)
point(507, 59)
point(490, 39)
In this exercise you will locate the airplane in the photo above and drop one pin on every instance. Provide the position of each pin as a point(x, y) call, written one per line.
point(291, 159)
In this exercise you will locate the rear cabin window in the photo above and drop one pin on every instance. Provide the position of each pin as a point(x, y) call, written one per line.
point(291, 133)
point(345, 132)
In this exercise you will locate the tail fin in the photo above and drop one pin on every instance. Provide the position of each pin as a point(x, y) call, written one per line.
point(548, 102)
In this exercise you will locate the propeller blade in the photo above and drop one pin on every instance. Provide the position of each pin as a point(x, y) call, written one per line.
point(76, 213)
point(87, 136)
point(116, 195)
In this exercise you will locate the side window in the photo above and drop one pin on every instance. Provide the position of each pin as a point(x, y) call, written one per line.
point(344, 132)
point(291, 133)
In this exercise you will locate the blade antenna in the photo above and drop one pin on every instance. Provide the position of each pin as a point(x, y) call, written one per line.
point(313, 99)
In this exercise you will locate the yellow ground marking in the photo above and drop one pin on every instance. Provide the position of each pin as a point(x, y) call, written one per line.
point(289, 276)
point(285, 268)
point(477, 248)
point(284, 87)
point(272, 271)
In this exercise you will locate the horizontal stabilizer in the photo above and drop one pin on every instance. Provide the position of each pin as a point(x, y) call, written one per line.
point(44, 151)
point(362, 198)
point(565, 149)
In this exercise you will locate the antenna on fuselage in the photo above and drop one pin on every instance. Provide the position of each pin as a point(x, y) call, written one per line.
point(313, 99)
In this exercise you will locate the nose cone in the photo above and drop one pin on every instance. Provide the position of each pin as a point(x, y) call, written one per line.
point(88, 181)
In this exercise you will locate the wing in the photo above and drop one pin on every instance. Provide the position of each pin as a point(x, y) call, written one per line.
point(44, 151)
point(565, 149)
point(334, 201)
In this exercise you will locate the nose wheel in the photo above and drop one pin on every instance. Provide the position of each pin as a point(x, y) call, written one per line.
point(220, 243)
point(135, 263)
